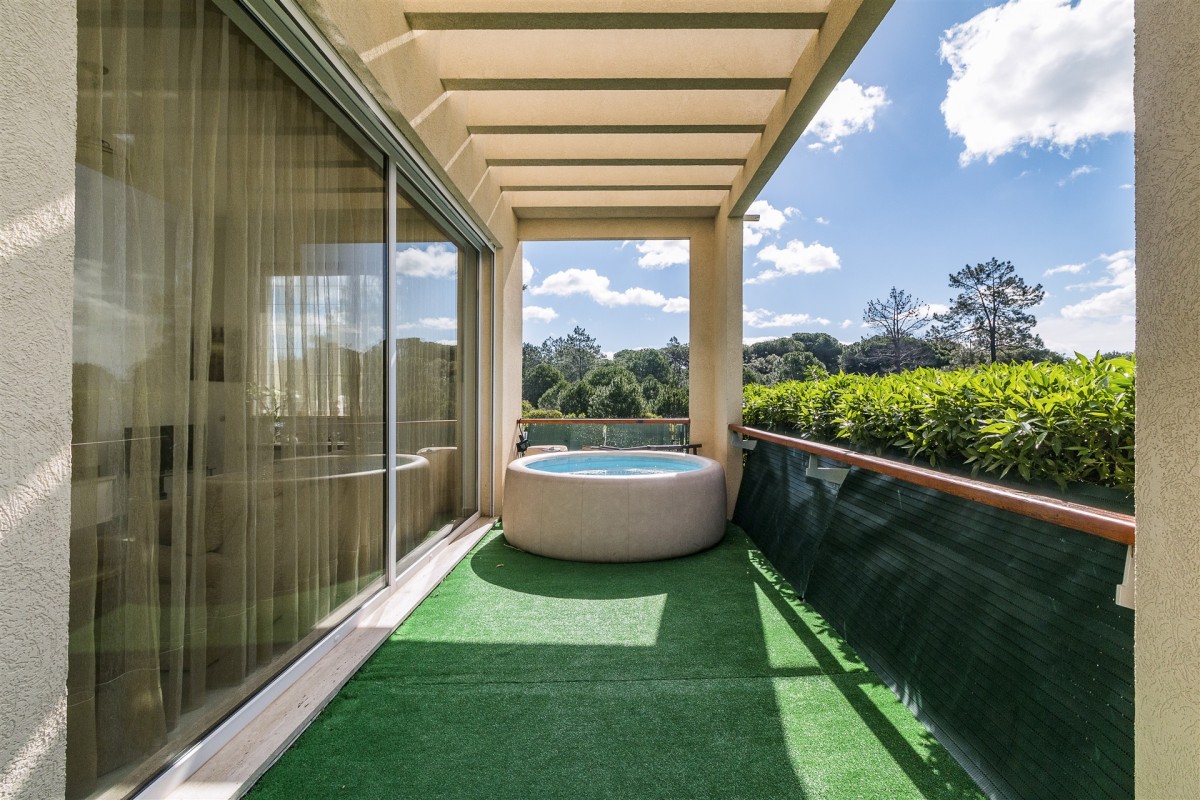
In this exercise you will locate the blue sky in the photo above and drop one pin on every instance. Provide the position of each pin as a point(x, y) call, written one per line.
point(965, 130)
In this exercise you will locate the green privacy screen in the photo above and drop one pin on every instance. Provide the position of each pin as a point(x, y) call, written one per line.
point(590, 434)
point(999, 631)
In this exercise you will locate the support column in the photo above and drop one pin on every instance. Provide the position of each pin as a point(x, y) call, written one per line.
point(1167, 579)
point(506, 396)
point(37, 246)
point(715, 373)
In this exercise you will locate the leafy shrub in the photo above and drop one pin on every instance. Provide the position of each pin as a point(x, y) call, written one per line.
point(575, 398)
point(1062, 422)
point(620, 398)
point(543, 413)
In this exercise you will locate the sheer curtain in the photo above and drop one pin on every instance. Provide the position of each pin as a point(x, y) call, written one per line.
point(228, 397)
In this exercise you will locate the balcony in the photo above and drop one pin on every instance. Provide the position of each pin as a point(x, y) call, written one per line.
point(466, 111)
point(953, 639)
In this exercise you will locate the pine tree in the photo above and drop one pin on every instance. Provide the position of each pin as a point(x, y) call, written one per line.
point(989, 312)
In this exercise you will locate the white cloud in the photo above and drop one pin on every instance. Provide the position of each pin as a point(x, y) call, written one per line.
point(527, 272)
point(821, 221)
point(439, 323)
point(677, 305)
point(1103, 321)
point(796, 258)
point(1041, 73)
point(1115, 302)
point(591, 283)
point(428, 261)
point(1086, 169)
point(1126, 186)
point(662, 253)
point(770, 221)
point(1072, 269)
point(757, 339)
point(846, 323)
point(850, 108)
point(1086, 336)
point(762, 318)
point(538, 314)
point(935, 308)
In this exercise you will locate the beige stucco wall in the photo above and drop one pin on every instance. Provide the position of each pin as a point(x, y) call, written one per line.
point(1167, 144)
point(37, 191)
point(506, 402)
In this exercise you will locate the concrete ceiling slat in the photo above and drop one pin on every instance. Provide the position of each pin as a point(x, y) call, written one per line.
point(674, 146)
point(672, 197)
point(593, 212)
point(614, 162)
point(613, 84)
point(613, 175)
point(614, 54)
point(609, 20)
point(610, 6)
point(617, 107)
point(570, 130)
point(629, 187)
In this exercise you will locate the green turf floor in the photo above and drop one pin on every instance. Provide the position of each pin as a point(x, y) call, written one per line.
point(703, 677)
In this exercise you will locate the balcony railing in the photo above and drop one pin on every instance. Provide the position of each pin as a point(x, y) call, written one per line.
point(664, 433)
point(1087, 519)
point(990, 611)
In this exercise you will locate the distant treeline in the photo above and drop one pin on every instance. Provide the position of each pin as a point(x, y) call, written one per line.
point(569, 376)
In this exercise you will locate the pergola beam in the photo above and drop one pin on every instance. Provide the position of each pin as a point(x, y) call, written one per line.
point(615, 162)
point(598, 212)
point(675, 187)
point(611, 84)
point(467, 21)
point(611, 129)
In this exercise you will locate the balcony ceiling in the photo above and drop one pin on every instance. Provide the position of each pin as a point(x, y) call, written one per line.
point(604, 108)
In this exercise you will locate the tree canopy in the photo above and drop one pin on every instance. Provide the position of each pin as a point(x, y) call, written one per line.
point(644, 363)
point(988, 321)
point(568, 375)
point(620, 398)
point(573, 355)
point(876, 355)
point(989, 311)
point(536, 381)
point(898, 318)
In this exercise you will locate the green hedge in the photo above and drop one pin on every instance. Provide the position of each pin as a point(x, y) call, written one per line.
point(1065, 423)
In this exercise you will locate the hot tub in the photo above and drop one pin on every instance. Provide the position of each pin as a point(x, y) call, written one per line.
point(614, 506)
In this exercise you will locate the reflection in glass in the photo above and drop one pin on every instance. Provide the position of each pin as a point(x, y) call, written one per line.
point(435, 330)
point(228, 477)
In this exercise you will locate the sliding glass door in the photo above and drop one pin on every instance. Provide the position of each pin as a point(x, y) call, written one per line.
point(436, 371)
point(230, 449)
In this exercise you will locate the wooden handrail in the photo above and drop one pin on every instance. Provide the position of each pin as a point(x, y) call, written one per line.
point(584, 421)
point(1095, 521)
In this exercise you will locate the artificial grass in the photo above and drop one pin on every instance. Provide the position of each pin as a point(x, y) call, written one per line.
point(701, 677)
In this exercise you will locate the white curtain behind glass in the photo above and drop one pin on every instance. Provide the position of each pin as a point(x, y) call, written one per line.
point(228, 396)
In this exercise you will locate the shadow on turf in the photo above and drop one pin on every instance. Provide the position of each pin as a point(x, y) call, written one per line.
point(688, 716)
point(932, 770)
